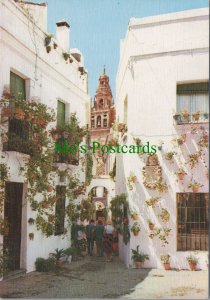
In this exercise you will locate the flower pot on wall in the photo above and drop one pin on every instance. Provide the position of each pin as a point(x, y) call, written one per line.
point(167, 266)
point(139, 264)
point(195, 189)
point(19, 114)
point(135, 233)
point(151, 226)
point(192, 266)
point(196, 116)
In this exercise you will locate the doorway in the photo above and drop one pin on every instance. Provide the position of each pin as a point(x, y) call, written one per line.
point(13, 214)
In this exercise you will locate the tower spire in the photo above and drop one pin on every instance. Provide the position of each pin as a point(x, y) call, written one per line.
point(104, 69)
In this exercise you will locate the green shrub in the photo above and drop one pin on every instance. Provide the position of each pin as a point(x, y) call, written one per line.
point(44, 265)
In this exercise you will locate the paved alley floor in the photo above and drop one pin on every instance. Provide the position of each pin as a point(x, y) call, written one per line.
point(92, 277)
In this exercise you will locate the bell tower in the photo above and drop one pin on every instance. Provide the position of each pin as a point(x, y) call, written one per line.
point(103, 111)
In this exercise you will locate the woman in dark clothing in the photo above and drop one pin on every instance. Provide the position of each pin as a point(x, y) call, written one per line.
point(108, 240)
point(99, 230)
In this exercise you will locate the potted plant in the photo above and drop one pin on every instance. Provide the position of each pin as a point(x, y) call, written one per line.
point(181, 139)
point(196, 116)
point(19, 113)
point(151, 224)
point(164, 215)
point(134, 215)
point(70, 252)
point(139, 257)
point(152, 201)
point(48, 48)
point(66, 56)
point(31, 236)
point(195, 186)
point(55, 45)
point(185, 114)
point(135, 228)
point(57, 255)
point(151, 235)
point(165, 261)
point(31, 221)
point(180, 174)
point(169, 155)
point(192, 260)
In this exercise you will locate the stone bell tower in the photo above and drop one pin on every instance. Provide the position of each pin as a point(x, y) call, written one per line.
point(103, 111)
point(102, 117)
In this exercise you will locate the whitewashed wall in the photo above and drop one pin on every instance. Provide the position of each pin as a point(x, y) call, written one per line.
point(156, 54)
point(50, 78)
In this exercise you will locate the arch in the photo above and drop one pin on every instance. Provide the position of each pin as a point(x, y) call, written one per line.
point(98, 121)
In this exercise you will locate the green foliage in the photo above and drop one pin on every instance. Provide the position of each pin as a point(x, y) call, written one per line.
point(112, 173)
point(57, 254)
point(45, 265)
point(88, 168)
point(139, 256)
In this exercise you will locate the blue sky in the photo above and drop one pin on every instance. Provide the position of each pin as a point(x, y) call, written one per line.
point(98, 25)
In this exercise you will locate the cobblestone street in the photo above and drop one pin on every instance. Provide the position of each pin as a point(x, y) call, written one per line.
point(92, 277)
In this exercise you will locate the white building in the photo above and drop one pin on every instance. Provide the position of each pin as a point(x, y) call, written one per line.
point(40, 67)
point(163, 70)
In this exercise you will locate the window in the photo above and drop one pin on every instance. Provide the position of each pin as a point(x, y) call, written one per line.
point(92, 123)
point(61, 113)
point(60, 209)
point(193, 221)
point(17, 86)
point(18, 129)
point(99, 121)
point(105, 122)
point(193, 98)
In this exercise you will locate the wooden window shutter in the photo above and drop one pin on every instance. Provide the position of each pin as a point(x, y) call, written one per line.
point(17, 86)
point(61, 113)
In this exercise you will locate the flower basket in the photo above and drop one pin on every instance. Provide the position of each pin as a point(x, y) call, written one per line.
point(193, 266)
point(181, 174)
point(196, 116)
point(167, 266)
point(139, 264)
point(151, 226)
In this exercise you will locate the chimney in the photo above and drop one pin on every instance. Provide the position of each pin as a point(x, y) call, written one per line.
point(62, 34)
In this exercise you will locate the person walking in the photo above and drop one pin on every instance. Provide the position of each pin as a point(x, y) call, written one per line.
point(99, 230)
point(108, 240)
point(90, 235)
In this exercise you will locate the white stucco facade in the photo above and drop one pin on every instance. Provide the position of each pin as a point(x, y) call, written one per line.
point(156, 55)
point(48, 78)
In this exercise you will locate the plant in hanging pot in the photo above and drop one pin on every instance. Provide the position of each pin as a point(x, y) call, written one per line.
point(19, 113)
point(139, 257)
point(169, 155)
point(66, 56)
point(181, 139)
point(196, 116)
point(48, 49)
point(135, 228)
point(152, 201)
point(151, 224)
point(195, 186)
point(134, 215)
point(55, 45)
point(165, 261)
point(31, 221)
point(192, 261)
point(31, 236)
point(180, 174)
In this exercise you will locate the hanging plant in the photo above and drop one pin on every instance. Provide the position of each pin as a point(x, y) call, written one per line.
point(164, 215)
point(66, 56)
point(181, 140)
point(88, 168)
point(134, 215)
point(169, 155)
point(31, 236)
point(151, 224)
point(152, 201)
point(193, 159)
point(31, 221)
point(195, 186)
point(181, 174)
point(135, 228)
point(164, 234)
point(161, 186)
point(55, 45)
point(185, 115)
point(203, 142)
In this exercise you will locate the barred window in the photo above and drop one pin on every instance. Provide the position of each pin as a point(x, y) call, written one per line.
point(193, 221)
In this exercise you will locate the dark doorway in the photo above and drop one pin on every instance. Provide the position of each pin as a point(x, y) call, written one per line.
point(13, 214)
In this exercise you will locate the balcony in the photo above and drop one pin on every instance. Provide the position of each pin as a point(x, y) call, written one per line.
point(194, 118)
point(62, 155)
